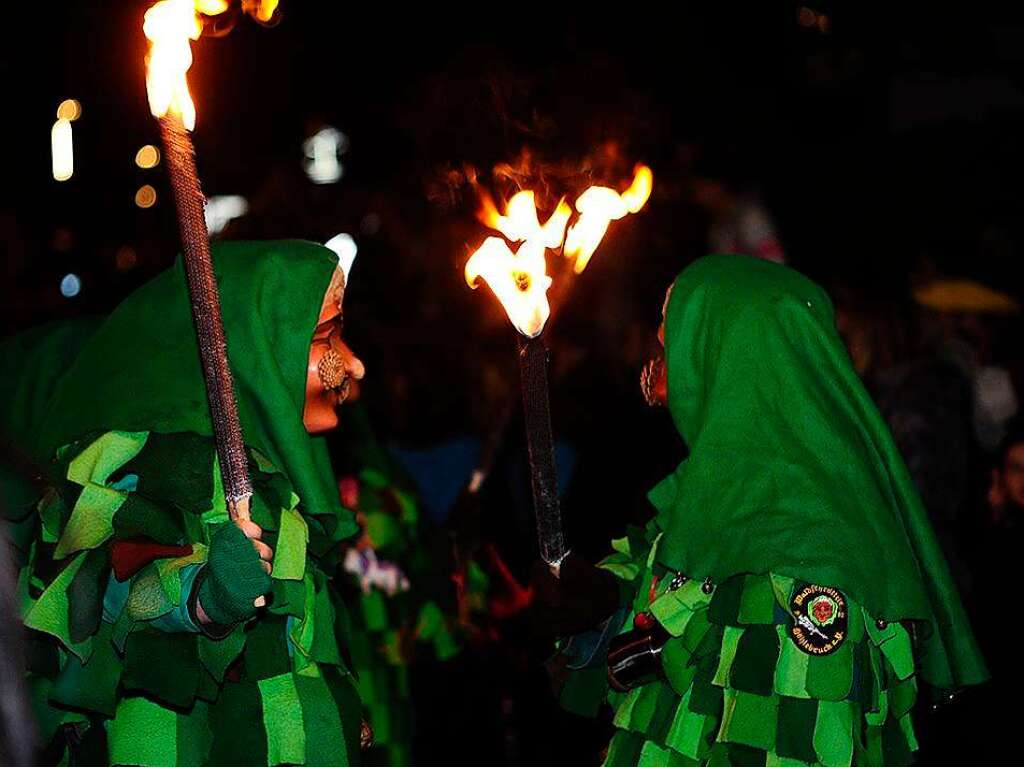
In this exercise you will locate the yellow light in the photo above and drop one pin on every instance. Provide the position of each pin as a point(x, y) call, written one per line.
point(518, 280)
point(147, 157)
point(170, 25)
point(146, 196)
point(62, 150)
point(69, 110)
point(265, 9)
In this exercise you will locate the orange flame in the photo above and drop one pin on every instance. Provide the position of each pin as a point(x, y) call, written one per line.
point(518, 280)
point(170, 25)
point(521, 223)
point(598, 206)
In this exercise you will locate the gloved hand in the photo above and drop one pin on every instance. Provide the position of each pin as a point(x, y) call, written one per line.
point(580, 598)
point(237, 572)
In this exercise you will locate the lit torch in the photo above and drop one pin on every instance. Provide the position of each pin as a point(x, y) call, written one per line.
point(520, 282)
point(170, 25)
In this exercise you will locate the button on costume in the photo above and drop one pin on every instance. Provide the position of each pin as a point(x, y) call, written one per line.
point(133, 538)
point(789, 597)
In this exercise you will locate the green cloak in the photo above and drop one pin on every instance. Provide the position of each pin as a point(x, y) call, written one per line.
point(791, 468)
point(141, 372)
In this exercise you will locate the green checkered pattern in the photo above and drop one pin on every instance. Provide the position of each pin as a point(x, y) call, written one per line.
point(139, 688)
point(738, 691)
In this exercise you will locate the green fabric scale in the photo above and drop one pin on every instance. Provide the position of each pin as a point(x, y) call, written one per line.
point(268, 692)
point(738, 690)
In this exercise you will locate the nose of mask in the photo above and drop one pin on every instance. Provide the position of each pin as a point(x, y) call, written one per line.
point(649, 377)
point(331, 370)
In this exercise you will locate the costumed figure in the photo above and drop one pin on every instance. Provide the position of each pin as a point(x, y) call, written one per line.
point(393, 588)
point(147, 644)
point(789, 597)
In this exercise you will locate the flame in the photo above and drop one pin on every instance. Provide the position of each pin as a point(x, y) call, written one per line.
point(170, 25)
point(598, 206)
point(265, 10)
point(518, 280)
point(640, 190)
point(520, 221)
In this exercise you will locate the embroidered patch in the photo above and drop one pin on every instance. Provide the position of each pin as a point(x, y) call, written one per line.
point(819, 614)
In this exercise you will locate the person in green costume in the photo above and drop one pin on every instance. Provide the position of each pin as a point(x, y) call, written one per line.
point(394, 588)
point(146, 644)
point(788, 596)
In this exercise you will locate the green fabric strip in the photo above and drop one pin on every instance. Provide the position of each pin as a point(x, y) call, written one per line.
point(143, 733)
point(321, 724)
point(217, 654)
point(757, 655)
point(730, 643)
point(290, 554)
point(833, 733)
point(50, 612)
point(757, 603)
point(163, 666)
point(791, 670)
point(794, 738)
point(91, 686)
point(688, 732)
point(830, 677)
point(282, 720)
point(750, 720)
point(194, 736)
point(91, 521)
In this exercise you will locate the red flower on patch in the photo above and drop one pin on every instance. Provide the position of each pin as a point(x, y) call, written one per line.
point(823, 610)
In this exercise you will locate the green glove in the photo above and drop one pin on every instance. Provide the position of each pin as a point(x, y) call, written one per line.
point(233, 577)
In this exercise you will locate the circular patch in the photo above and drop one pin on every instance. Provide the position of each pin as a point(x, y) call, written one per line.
point(819, 619)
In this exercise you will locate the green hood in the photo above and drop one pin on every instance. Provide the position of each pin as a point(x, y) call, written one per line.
point(791, 468)
point(31, 365)
point(141, 370)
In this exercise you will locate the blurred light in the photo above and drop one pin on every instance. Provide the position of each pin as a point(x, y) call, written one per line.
point(345, 247)
point(62, 150)
point(147, 157)
point(370, 224)
point(69, 110)
point(221, 209)
point(265, 9)
point(806, 17)
point(70, 285)
point(323, 151)
point(824, 24)
point(146, 196)
point(126, 258)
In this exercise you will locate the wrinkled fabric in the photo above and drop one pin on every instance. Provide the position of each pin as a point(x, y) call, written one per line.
point(791, 469)
point(140, 371)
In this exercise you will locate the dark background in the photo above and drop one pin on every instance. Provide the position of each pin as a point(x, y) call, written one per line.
point(884, 141)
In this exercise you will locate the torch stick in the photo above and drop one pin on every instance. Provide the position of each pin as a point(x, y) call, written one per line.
point(533, 371)
point(205, 300)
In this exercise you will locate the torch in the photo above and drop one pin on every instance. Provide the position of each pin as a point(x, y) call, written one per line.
point(520, 282)
point(170, 25)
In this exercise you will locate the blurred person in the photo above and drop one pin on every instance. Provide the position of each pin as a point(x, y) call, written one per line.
point(395, 588)
point(147, 646)
point(964, 323)
point(1006, 492)
point(926, 400)
point(740, 223)
point(789, 596)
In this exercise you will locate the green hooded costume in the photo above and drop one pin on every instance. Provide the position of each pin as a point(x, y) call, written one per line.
point(790, 561)
point(137, 496)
